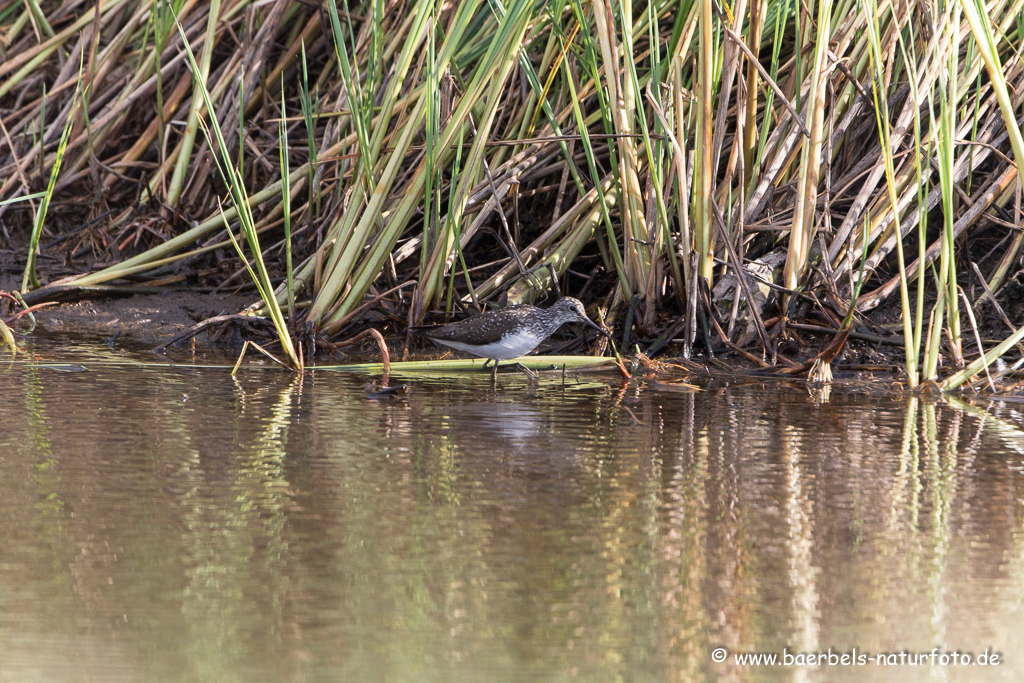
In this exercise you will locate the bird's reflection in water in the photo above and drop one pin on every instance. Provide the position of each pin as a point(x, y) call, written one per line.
point(523, 439)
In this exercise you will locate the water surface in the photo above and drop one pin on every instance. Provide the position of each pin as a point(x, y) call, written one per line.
point(166, 523)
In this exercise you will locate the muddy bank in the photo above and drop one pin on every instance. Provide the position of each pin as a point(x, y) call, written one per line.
point(146, 320)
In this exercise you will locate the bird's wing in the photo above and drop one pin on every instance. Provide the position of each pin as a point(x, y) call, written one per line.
point(480, 329)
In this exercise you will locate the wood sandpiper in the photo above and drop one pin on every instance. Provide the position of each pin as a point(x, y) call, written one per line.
point(510, 332)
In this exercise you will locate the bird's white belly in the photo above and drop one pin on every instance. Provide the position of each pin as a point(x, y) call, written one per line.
point(508, 347)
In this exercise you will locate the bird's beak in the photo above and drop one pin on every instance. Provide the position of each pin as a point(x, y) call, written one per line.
point(596, 327)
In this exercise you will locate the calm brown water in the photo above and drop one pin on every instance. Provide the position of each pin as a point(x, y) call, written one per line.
point(173, 524)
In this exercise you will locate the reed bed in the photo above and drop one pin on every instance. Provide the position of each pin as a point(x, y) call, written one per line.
point(708, 174)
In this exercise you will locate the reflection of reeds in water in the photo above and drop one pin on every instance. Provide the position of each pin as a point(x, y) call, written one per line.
point(802, 572)
point(815, 532)
point(538, 528)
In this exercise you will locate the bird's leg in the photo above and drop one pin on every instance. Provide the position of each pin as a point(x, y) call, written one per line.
point(526, 371)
